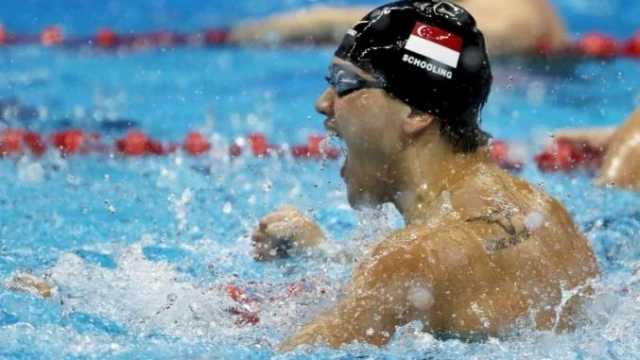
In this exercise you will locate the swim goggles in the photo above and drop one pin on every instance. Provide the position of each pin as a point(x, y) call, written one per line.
point(345, 80)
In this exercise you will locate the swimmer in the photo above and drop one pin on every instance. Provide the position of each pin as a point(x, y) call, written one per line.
point(510, 27)
point(621, 146)
point(482, 251)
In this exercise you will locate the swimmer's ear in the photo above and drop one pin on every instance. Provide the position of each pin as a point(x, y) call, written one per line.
point(416, 122)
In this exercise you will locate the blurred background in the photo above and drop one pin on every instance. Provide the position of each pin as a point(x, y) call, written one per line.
point(617, 17)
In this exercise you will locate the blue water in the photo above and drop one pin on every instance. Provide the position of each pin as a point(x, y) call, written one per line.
point(121, 238)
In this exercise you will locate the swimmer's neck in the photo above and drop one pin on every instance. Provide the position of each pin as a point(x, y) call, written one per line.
point(427, 176)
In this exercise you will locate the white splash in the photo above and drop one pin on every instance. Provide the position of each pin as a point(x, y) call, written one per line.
point(30, 172)
point(179, 208)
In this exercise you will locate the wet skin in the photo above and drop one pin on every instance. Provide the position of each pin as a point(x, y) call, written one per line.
point(481, 252)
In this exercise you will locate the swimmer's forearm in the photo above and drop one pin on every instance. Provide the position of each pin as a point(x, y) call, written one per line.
point(334, 330)
point(317, 24)
point(368, 313)
point(594, 137)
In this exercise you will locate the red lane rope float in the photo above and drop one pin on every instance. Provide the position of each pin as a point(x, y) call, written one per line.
point(592, 44)
point(3, 35)
point(566, 158)
point(500, 151)
point(18, 141)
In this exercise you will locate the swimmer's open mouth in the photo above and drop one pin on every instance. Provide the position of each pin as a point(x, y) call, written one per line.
point(345, 154)
point(343, 172)
point(332, 132)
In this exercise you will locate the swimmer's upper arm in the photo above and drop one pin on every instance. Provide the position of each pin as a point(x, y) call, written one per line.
point(392, 287)
point(516, 28)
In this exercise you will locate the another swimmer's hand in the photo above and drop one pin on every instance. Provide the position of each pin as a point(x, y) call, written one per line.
point(29, 284)
point(285, 231)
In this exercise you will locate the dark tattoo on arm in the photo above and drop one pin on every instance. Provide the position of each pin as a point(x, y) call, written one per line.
point(514, 236)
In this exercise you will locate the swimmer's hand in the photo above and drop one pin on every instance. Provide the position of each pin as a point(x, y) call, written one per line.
point(29, 284)
point(283, 232)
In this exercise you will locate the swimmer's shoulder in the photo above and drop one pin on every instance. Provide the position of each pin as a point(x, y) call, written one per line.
point(432, 249)
point(498, 203)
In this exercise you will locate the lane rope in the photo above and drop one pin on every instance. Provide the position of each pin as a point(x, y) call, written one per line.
point(136, 143)
point(593, 44)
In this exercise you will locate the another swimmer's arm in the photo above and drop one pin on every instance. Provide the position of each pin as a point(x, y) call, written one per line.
point(596, 138)
point(315, 24)
point(389, 289)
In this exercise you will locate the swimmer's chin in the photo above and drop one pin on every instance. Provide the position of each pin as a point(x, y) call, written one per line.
point(332, 134)
point(360, 201)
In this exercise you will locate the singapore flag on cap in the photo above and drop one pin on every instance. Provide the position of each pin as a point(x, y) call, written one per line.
point(435, 43)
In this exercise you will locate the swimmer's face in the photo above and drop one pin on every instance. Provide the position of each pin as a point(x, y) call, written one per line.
point(370, 123)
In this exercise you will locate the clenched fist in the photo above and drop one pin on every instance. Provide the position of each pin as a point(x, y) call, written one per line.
point(284, 231)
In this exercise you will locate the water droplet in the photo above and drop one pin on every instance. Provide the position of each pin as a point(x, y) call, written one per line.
point(534, 220)
point(172, 297)
point(227, 208)
point(266, 187)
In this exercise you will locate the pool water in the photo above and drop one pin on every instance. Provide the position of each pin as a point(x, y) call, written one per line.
point(141, 249)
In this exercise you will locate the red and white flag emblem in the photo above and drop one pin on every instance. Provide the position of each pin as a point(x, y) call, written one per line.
point(435, 43)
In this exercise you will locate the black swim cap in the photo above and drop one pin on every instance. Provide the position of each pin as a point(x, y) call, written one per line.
point(429, 54)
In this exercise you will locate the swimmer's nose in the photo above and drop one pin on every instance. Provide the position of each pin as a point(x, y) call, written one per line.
point(324, 104)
